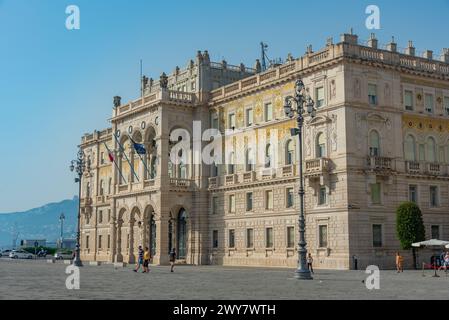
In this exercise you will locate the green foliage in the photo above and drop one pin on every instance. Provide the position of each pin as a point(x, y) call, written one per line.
point(409, 225)
point(50, 251)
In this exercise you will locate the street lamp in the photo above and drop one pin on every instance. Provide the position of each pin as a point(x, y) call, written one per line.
point(61, 219)
point(80, 166)
point(304, 104)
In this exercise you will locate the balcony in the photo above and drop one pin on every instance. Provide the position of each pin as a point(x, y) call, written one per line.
point(148, 183)
point(231, 179)
point(288, 171)
point(434, 169)
point(181, 183)
point(316, 167)
point(413, 167)
point(268, 174)
point(249, 176)
point(379, 163)
point(213, 182)
point(86, 202)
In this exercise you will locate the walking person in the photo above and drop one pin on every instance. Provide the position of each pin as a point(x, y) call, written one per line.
point(310, 262)
point(139, 260)
point(146, 260)
point(399, 262)
point(172, 259)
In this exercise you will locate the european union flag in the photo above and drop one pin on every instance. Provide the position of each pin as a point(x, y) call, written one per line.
point(140, 148)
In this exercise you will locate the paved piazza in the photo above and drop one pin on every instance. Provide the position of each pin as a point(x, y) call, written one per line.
point(40, 280)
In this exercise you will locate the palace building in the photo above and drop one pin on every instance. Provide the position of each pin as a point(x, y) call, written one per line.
point(380, 137)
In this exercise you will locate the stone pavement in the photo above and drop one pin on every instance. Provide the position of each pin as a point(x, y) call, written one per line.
point(39, 280)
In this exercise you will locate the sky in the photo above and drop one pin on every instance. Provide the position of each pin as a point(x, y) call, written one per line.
point(57, 84)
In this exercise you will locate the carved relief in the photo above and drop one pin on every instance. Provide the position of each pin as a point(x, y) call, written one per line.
point(333, 133)
point(332, 90)
point(387, 93)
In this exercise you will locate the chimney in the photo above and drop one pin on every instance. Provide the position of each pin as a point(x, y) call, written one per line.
point(329, 41)
point(428, 54)
point(392, 46)
point(309, 49)
point(349, 38)
point(410, 50)
point(445, 55)
point(258, 66)
point(372, 42)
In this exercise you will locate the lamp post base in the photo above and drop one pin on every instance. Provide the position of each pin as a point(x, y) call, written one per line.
point(302, 274)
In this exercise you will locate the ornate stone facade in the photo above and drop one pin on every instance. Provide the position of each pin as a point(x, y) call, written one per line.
point(380, 138)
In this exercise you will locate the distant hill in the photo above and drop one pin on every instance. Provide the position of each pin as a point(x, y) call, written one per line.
point(40, 223)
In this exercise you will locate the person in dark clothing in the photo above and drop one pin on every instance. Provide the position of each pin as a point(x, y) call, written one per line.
point(139, 260)
point(172, 259)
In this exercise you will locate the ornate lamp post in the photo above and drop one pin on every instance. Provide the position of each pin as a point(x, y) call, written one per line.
point(61, 219)
point(304, 104)
point(80, 165)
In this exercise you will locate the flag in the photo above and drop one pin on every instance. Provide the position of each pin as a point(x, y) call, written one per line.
point(111, 157)
point(140, 148)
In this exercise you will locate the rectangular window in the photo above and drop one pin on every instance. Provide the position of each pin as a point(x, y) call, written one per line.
point(372, 94)
point(215, 239)
point(99, 242)
point(100, 216)
point(319, 96)
point(249, 201)
point(446, 105)
point(102, 158)
point(322, 230)
point(249, 117)
point(435, 231)
point(290, 237)
point(413, 193)
point(109, 215)
point(268, 112)
point(231, 239)
point(434, 196)
point(214, 122)
point(290, 197)
point(232, 121)
point(193, 86)
point(375, 193)
point(408, 100)
point(249, 238)
point(232, 203)
point(428, 100)
point(214, 205)
point(377, 235)
point(87, 242)
point(269, 199)
point(322, 196)
point(109, 241)
point(269, 237)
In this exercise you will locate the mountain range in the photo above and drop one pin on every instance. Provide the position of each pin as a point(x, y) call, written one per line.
point(39, 223)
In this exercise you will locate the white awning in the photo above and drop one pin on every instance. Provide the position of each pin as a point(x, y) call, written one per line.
point(431, 243)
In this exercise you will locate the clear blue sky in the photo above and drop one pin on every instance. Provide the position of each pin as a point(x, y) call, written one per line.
point(57, 84)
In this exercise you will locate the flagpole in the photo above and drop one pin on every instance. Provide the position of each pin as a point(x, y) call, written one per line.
point(116, 165)
point(127, 159)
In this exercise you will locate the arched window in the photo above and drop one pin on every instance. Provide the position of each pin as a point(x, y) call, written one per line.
point(268, 156)
point(231, 166)
point(289, 153)
point(249, 160)
point(374, 144)
point(431, 150)
point(88, 190)
point(101, 187)
point(321, 146)
point(182, 171)
point(182, 234)
point(153, 168)
point(410, 148)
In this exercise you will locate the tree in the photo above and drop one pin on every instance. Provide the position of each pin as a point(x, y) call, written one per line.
point(409, 226)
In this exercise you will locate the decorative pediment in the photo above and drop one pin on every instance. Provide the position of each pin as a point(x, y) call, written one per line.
point(375, 117)
point(319, 120)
